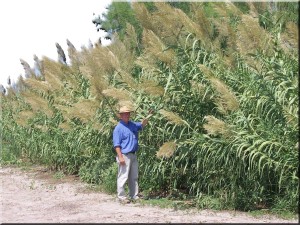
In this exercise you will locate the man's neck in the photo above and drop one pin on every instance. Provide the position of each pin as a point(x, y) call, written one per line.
point(125, 122)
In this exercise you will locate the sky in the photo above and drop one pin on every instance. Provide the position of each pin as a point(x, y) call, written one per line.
point(32, 27)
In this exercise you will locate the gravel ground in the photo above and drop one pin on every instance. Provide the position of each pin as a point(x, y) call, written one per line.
point(35, 196)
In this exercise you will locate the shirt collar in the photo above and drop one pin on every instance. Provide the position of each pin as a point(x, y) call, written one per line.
point(125, 124)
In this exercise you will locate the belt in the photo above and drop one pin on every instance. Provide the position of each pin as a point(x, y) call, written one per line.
point(129, 153)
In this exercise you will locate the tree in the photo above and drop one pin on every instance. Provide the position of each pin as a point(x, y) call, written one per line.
point(115, 19)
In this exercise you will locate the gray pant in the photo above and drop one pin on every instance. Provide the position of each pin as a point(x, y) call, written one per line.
point(128, 172)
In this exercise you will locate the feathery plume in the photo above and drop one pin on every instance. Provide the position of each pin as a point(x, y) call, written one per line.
point(225, 9)
point(114, 61)
point(215, 126)
point(71, 46)
point(170, 30)
point(37, 85)
point(143, 15)
point(192, 27)
point(2, 90)
point(290, 38)
point(98, 84)
point(27, 69)
point(97, 80)
point(127, 103)
point(61, 54)
point(100, 61)
point(156, 48)
point(172, 117)
point(147, 62)
point(21, 83)
point(118, 94)
point(226, 100)
point(37, 103)
point(38, 66)
point(74, 56)
point(131, 40)
point(166, 150)
point(225, 43)
point(252, 10)
point(84, 109)
point(151, 87)
point(128, 79)
point(201, 19)
point(121, 57)
point(15, 87)
point(90, 45)
point(259, 7)
point(11, 93)
point(8, 81)
point(250, 36)
point(231, 9)
point(99, 41)
point(56, 74)
point(206, 71)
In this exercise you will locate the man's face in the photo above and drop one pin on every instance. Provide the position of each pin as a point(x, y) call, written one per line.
point(125, 116)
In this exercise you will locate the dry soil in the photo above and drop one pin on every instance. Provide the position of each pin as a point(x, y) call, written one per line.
point(35, 196)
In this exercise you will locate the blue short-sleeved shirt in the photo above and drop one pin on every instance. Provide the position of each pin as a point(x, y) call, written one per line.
point(126, 136)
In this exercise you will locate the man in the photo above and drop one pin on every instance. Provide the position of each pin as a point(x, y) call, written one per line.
point(125, 141)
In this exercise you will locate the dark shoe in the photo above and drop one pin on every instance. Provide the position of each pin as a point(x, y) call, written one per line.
point(124, 201)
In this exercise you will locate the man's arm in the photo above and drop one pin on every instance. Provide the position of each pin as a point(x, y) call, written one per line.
point(120, 156)
point(116, 142)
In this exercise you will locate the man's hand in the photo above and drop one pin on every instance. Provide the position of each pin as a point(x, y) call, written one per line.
point(150, 113)
point(145, 121)
point(121, 160)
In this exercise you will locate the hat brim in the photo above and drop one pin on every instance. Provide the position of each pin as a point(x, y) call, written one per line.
point(127, 111)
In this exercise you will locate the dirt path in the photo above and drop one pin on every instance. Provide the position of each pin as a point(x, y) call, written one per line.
point(35, 196)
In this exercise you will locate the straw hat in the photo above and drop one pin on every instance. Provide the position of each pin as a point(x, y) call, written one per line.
point(125, 109)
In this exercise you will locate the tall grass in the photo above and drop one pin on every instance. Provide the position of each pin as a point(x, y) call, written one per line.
point(226, 108)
